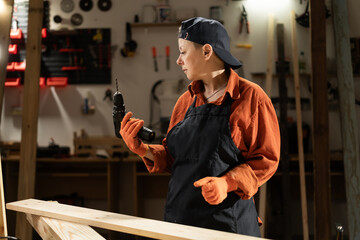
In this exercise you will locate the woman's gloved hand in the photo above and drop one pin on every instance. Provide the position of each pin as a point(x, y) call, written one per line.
point(129, 130)
point(215, 189)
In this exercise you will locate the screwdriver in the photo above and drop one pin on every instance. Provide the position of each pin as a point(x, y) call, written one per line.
point(154, 56)
point(167, 57)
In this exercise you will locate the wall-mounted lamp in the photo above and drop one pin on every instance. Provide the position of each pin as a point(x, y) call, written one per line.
point(2, 6)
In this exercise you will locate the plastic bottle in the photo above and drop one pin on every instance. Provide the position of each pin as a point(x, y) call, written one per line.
point(302, 63)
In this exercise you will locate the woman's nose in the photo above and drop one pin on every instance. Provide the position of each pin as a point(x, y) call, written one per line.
point(179, 61)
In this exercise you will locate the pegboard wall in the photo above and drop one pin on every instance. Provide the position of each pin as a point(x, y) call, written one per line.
point(80, 56)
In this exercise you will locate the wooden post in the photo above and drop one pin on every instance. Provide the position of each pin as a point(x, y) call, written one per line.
point(268, 83)
point(270, 55)
point(112, 190)
point(322, 196)
point(295, 59)
point(284, 132)
point(5, 25)
point(349, 123)
point(27, 165)
point(3, 223)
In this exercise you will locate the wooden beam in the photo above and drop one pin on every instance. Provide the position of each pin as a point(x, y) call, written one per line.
point(28, 145)
point(268, 86)
point(3, 223)
point(322, 196)
point(295, 52)
point(53, 229)
point(284, 132)
point(270, 55)
point(5, 25)
point(119, 222)
point(349, 123)
point(112, 190)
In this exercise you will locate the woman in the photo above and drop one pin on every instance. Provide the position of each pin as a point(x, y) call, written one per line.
point(223, 140)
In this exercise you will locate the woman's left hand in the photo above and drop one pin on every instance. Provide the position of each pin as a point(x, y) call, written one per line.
point(213, 189)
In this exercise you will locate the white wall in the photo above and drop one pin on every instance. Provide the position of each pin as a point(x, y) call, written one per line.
point(60, 115)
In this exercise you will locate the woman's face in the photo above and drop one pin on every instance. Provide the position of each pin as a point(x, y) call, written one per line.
point(191, 59)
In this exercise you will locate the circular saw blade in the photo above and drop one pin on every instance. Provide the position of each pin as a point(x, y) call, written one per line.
point(67, 5)
point(86, 5)
point(104, 5)
point(76, 19)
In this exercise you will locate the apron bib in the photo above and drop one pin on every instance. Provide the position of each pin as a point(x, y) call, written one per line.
point(202, 146)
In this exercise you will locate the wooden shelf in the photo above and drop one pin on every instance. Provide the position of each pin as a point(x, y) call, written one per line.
point(279, 173)
point(165, 24)
point(56, 171)
point(79, 174)
point(335, 156)
point(263, 75)
point(144, 174)
point(132, 158)
point(145, 25)
point(16, 158)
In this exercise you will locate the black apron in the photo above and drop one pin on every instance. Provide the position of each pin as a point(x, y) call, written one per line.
point(202, 146)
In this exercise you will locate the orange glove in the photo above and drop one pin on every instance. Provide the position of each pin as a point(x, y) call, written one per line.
point(215, 189)
point(129, 130)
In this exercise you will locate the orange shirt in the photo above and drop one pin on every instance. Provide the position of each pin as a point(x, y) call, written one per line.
point(254, 129)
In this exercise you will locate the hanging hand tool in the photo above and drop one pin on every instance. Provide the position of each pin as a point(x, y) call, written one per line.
point(244, 45)
point(130, 45)
point(108, 94)
point(167, 57)
point(243, 20)
point(155, 61)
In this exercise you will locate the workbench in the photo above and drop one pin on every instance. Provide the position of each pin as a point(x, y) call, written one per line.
point(73, 180)
point(93, 170)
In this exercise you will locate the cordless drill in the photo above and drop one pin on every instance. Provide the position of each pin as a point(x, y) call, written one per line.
point(118, 114)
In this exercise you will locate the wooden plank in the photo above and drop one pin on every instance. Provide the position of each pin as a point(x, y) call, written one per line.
point(295, 61)
point(268, 85)
point(136, 189)
point(284, 133)
point(349, 123)
point(28, 145)
point(119, 222)
point(101, 141)
point(15, 158)
point(5, 25)
point(270, 55)
point(112, 191)
point(3, 223)
point(146, 25)
point(322, 196)
point(53, 229)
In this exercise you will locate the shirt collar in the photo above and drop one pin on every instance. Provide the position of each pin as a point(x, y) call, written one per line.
point(196, 87)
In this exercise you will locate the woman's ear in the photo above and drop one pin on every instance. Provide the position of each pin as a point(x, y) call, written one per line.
point(207, 50)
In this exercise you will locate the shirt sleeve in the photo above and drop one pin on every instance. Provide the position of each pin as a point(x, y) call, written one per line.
point(162, 159)
point(262, 140)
